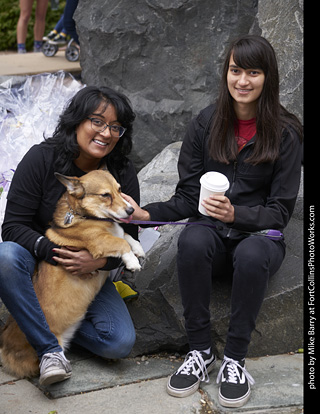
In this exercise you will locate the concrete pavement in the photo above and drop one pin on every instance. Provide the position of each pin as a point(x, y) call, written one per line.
point(138, 386)
point(14, 64)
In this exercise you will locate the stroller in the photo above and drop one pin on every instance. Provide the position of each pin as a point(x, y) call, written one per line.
point(72, 52)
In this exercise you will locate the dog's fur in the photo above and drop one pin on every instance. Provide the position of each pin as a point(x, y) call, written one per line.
point(64, 298)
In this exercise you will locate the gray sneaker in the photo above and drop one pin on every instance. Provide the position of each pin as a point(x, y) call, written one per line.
point(54, 367)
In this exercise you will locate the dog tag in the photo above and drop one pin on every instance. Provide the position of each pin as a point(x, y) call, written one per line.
point(68, 218)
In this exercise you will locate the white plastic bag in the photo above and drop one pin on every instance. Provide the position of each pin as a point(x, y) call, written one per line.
point(28, 113)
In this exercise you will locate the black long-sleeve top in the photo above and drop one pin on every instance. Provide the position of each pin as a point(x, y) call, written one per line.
point(263, 195)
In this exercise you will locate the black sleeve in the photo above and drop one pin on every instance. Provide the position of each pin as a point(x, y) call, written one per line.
point(23, 201)
point(17, 227)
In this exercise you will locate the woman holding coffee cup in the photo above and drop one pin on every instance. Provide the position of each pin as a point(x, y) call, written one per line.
point(255, 144)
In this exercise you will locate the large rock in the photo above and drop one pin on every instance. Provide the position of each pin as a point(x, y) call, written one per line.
point(282, 24)
point(166, 56)
point(158, 313)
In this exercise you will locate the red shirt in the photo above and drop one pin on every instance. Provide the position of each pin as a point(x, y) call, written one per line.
point(244, 131)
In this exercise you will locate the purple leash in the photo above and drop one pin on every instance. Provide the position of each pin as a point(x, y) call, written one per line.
point(270, 234)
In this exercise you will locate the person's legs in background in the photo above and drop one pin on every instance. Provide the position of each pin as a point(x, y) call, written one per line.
point(68, 22)
point(22, 25)
point(39, 25)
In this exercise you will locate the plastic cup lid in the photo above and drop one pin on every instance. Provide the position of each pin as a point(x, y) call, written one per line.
point(215, 181)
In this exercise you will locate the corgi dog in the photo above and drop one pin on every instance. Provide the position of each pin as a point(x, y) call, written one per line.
point(78, 222)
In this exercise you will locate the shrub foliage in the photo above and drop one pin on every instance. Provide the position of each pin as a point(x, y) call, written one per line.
point(9, 15)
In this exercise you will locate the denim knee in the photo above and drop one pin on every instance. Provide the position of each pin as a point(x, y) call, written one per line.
point(121, 345)
point(112, 345)
point(14, 257)
point(8, 254)
point(107, 329)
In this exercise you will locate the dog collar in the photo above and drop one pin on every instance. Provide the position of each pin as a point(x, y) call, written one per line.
point(69, 216)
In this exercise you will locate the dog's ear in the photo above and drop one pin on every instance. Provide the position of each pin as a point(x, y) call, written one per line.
point(73, 185)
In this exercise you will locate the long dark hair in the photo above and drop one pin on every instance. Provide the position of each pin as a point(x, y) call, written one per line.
point(251, 52)
point(82, 105)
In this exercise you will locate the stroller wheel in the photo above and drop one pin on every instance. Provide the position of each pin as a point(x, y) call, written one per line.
point(72, 53)
point(49, 50)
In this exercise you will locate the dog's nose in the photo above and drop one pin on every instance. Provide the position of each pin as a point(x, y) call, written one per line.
point(129, 210)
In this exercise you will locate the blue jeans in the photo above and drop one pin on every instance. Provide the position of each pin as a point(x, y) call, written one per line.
point(59, 26)
point(107, 329)
point(68, 20)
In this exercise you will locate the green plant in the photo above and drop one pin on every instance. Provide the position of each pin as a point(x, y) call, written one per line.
point(9, 15)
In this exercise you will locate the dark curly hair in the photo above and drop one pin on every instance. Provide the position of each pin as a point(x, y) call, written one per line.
point(82, 105)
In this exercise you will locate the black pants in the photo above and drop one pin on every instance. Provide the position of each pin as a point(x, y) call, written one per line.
point(202, 254)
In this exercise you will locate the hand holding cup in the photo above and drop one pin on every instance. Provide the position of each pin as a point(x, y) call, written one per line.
point(212, 201)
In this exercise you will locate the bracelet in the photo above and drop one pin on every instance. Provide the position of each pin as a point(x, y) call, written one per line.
point(36, 245)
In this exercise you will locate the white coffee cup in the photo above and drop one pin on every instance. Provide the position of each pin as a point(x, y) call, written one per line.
point(212, 182)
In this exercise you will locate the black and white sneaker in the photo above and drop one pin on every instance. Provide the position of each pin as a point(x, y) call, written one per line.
point(195, 368)
point(235, 383)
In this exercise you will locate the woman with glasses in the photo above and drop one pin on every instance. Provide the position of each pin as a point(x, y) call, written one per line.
point(94, 131)
point(251, 138)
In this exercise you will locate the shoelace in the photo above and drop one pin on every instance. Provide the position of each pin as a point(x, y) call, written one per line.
point(52, 359)
point(194, 359)
point(233, 371)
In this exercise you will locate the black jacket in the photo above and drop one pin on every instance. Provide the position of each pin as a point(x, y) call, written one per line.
point(263, 195)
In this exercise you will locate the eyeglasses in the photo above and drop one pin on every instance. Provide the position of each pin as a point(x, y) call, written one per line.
point(98, 125)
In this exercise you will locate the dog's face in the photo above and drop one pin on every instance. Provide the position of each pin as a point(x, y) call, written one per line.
point(97, 194)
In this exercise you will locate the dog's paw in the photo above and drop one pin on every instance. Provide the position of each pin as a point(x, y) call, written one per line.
point(131, 262)
point(135, 246)
point(138, 250)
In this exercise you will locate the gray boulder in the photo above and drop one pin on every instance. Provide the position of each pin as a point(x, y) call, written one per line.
point(282, 24)
point(158, 313)
point(166, 56)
